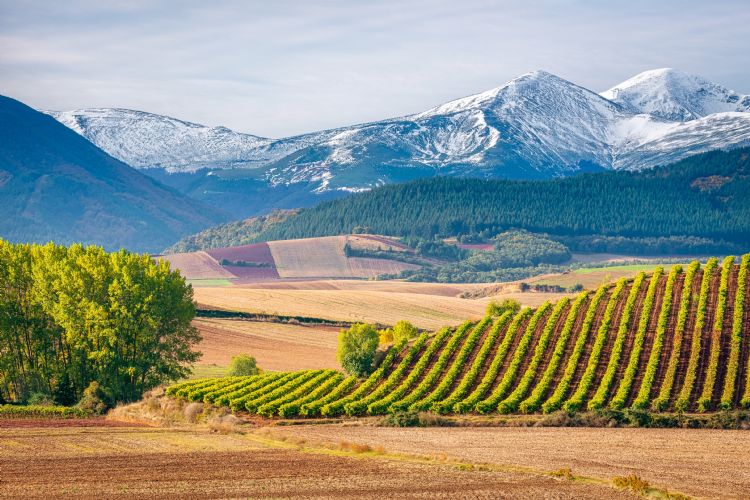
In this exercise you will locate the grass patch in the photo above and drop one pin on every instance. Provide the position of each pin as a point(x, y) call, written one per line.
point(208, 371)
point(209, 282)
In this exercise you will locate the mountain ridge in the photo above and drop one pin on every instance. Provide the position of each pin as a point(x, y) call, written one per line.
point(537, 125)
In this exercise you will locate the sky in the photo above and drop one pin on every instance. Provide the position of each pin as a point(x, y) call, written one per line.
point(279, 68)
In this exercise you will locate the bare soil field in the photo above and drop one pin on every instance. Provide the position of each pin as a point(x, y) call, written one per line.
point(378, 306)
point(167, 463)
point(311, 257)
point(275, 346)
point(197, 265)
point(704, 463)
point(365, 267)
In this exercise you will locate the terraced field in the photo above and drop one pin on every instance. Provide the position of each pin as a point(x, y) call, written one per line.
point(676, 339)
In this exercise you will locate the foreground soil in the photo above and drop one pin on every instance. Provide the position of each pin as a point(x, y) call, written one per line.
point(108, 462)
point(704, 463)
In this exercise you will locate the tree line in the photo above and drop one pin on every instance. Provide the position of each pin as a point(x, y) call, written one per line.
point(70, 316)
point(704, 196)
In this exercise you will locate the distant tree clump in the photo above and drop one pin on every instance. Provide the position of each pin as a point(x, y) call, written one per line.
point(356, 350)
point(70, 316)
point(243, 365)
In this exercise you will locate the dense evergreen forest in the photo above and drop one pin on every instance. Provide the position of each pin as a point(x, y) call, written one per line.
point(700, 203)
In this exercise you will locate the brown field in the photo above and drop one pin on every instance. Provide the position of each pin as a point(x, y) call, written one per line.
point(275, 346)
point(374, 306)
point(704, 463)
point(167, 463)
point(197, 265)
point(364, 267)
point(311, 257)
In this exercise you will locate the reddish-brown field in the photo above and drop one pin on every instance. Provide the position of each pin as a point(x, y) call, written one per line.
point(47, 462)
point(197, 265)
point(275, 346)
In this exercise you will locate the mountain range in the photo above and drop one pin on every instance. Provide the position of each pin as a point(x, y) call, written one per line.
point(535, 126)
point(57, 186)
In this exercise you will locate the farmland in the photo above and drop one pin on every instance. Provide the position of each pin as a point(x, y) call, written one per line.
point(652, 342)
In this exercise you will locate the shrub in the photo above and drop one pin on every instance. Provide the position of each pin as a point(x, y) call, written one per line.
point(385, 336)
point(404, 330)
point(495, 308)
point(94, 399)
point(242, 366)
point(40, 399)
point(357, 346)
point(401, 419)
point(632, 483)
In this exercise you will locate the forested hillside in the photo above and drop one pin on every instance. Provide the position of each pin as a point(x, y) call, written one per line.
point(701, 202)
point(673, 340)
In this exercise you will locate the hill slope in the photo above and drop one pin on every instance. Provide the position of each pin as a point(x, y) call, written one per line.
point(703, 196)
point(535, 126)
point(669, 341)
point(56, 185)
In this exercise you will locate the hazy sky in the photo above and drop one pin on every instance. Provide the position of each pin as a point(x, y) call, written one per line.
point(277, 68)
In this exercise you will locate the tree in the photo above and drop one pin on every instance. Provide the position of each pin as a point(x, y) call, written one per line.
point(356, 350)
point(243, 365)
point(404, 330)
point(73, 315)
point(495, 308)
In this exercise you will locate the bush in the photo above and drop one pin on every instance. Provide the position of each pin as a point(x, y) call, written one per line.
point(243, 366)
point(495, 308)
point(385, 336)
point(94, 399)
point(404, 330)
point(40, 399)
point(357, 346)
point(401, 419)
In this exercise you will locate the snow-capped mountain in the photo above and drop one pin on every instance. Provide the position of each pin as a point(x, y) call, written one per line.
point(675, 95)
point(144, 140)
point(535, 126)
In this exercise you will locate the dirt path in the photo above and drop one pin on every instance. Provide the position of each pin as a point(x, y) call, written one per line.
point(706, 463)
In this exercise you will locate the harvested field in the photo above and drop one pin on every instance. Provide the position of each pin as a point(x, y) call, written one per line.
point(374, 242)
point(252, 273)
point(257, 252)
point(275, 346)
point(705, 463)
point(311, 257)
point(159, 463)
point(197, 265)
point(441, 289)
point(346, 305)
point(363, 267)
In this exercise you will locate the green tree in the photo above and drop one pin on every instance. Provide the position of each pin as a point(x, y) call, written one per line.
point(496, 308)
point(356, 350)
point(243, 365)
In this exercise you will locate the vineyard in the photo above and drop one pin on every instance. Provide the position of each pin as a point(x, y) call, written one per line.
point(677, 340)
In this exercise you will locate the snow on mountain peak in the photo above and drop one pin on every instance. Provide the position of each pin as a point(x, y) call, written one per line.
point(675, 95)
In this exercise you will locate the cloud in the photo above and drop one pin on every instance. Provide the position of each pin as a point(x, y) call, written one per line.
point(280, 68)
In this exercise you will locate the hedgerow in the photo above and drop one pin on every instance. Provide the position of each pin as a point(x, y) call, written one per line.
point(381, 406)
point(480, 359)
point(510, 403)
point(39, 411)
point(360, 406)
point(652, 365)
point(683, 399)
point(470, 402)
point(292, 408)
point(312, 408)
point(704, 401)
point(437, 369)
point(727, 396)
point(605, 384)
point(335, 408)
point(439, 392)
point(665, 392)
point(490, 403)
point(532, 403)
point(555, 401)
point(621, 396)
point(575, 402)
point(294, 390)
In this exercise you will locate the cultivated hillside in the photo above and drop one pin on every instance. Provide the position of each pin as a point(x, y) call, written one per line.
point(673, 340)
point(535, 126)
point(56, 185)
point(703, 196)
